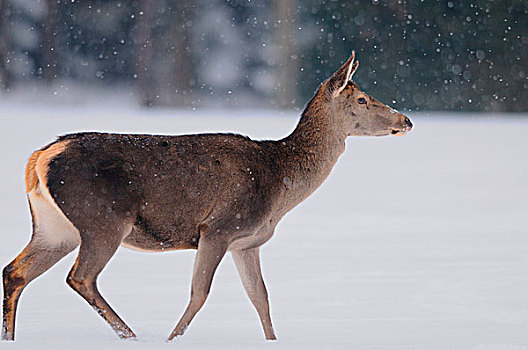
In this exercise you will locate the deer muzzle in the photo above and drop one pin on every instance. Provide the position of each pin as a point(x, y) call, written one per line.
point(406, 126)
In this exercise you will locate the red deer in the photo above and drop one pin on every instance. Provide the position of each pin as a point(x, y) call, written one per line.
point(210, 192)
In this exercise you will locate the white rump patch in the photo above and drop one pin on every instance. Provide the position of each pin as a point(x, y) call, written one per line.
point(52, 227)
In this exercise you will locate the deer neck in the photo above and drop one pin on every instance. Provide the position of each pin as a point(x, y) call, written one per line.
point(311, 150)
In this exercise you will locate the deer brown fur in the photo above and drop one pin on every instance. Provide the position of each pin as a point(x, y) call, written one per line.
point(210, 192)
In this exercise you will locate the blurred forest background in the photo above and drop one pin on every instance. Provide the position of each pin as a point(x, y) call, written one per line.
point(415, 55)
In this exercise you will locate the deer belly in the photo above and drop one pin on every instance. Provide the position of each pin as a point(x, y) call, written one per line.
point(149, 241)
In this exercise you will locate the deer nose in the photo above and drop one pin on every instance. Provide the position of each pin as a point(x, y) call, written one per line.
point(408, 123)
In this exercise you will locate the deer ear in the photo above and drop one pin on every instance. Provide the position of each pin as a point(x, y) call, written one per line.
point(340, 79)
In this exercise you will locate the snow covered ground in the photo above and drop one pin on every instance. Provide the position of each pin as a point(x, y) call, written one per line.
point(419, 242)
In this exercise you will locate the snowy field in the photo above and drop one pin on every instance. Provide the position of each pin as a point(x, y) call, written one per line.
point(418, 242)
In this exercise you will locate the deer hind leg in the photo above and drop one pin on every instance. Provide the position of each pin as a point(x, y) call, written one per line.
point(53, 238)
point(248, 264)
point(95, 252)
point(210, 253)
point(33, 261)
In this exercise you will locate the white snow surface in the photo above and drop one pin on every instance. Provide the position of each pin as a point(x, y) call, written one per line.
point(415, 242)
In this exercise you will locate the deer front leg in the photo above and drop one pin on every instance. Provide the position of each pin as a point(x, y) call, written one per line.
point(210, 253)
point(248, 264)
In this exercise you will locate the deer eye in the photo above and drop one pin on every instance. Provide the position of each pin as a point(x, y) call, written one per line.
point(362, 101)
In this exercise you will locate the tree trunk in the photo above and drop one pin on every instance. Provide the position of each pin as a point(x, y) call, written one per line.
point(285, 38)
point(144, 52)
point(5, 44)
point(50, 67)
point(177, 46)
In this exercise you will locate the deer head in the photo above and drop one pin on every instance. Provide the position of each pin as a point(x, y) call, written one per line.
point(355, 111)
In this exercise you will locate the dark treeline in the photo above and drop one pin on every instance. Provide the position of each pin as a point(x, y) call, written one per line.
point(419, 55)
